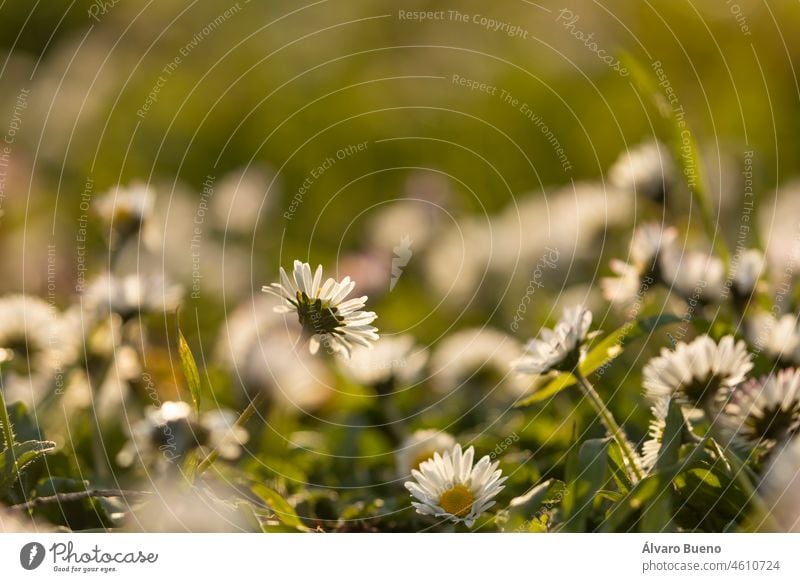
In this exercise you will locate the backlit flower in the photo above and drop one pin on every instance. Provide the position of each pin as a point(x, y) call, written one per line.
point(699, 372)
point(646, 169)
point(560, 348)
point(421, 446)
point(766, 410)
point(326, 317)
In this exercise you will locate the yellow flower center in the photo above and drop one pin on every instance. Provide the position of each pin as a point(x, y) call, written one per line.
point(457, 500)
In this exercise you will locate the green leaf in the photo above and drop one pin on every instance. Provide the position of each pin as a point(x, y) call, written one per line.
point(601, 355)
point(531, 511)
point(587, 474)
point(618, 467)
point(20, 456)
point(283, 511)
point(622, 512)
point(189, 366)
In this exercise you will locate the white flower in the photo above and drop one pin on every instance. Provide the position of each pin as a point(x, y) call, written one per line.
point(166, 429)
point(126, 209)
point(558, 349)
point(394, 360)
point(449, 486)
point(322, 310)
point(132, 295)
point(697, 372)
point(627, 287)
point(36, 341)
point(168, 432)
point(652, 446)
point(778, 338)
point(649, 244)
point(781, 486)
point(260, 350)
point(695, 275)
point(647, 169)
point(765, 410)
point(241, 197)
point(420, 447)
point(747, 272)
point(479, 355)
point(651, 241)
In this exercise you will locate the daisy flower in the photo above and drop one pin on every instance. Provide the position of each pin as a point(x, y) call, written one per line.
point(170, 431)
point(748, 271)
point(421, 446)
point(646, 169)
point(132, 295)
point(450, 486)
point(322, 310)
point(649, 244)
point(125, 209)
point(560, 348)
point(698, 372)
point(480, 356)
point(765, 410)
point(36, 341)
point(393, 361)
point(695, 275)
point(781, 486)
point(778, 338)
point(652, 446)
point(259, 349)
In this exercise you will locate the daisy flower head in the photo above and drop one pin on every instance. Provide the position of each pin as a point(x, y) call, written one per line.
point(560, 348)
point(125, 209)
point(778, 338)
point(699, 372)
point(628, 285)
point(132, 295)
point(646, 169)
point(695, 275)
point(477, 356)
point(35, 343)
point(748, 271)
point(650, 243)
point(450, 486)
point(26, 327)
point(173, 429)
point(421, 446)
point(393, 361)
point(326, 317)
point(766, 410)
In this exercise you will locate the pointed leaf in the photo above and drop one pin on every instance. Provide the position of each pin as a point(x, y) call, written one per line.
point(22, 454)
point(190, 371)
point(283, 511)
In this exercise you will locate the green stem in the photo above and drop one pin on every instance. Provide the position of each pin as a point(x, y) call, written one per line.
point(97, 376)
point(611, 425)
point(240, 422)
point(8, 430)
